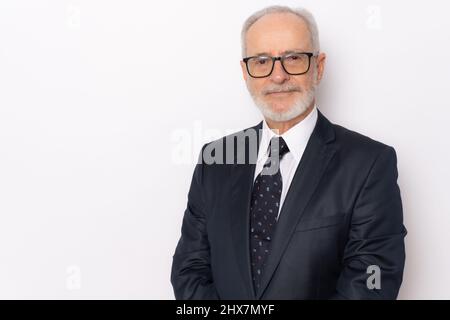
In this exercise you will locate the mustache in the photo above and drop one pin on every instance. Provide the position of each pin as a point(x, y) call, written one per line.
point(285, 88)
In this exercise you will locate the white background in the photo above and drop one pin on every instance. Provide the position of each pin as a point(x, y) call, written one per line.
point(104, 106)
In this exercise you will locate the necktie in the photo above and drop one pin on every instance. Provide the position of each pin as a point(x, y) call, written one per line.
point(265, 202)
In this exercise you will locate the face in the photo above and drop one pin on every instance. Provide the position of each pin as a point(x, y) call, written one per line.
point(281, 96)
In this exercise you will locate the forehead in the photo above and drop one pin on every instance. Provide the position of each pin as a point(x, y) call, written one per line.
point(278, 32)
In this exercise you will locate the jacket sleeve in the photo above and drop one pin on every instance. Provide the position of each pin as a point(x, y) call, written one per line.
point(191, 275)
point(376, 236)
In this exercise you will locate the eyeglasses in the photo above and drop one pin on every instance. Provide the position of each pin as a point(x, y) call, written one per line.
point(295, 63)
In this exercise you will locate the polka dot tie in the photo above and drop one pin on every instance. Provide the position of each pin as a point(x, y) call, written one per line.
point(264, 208)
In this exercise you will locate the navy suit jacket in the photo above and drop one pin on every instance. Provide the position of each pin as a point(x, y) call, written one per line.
point(341, 215)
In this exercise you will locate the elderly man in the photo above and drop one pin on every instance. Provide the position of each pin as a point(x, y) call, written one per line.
point(314, 213)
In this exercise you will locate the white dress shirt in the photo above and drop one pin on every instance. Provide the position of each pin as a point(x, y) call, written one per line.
point(296, 139)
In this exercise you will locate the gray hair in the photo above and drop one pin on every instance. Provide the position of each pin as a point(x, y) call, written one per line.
point(300, 12)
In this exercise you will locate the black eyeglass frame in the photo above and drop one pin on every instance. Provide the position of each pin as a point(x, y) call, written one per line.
point(281, 59)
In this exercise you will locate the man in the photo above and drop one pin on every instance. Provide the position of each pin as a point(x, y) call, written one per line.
point(314, 213)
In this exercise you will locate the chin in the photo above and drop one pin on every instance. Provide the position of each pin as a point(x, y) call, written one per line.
point(283, 109)
point(279, 114)
point(280, 109)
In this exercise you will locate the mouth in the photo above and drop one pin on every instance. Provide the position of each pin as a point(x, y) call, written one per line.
point(279, 93)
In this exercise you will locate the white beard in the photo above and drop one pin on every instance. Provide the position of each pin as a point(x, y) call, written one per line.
point(298, 107)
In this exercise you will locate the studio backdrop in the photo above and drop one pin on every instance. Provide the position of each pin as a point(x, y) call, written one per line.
point(104, 106)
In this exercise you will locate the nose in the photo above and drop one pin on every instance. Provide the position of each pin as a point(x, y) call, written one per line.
point(278, 74)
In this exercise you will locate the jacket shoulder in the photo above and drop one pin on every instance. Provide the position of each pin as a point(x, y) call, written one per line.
point(353, 142)
point(361, 152)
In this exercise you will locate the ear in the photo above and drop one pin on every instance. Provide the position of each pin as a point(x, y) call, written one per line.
point(321, 58)
point(244, 70)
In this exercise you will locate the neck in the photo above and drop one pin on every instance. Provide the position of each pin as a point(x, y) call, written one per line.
point(281, 127)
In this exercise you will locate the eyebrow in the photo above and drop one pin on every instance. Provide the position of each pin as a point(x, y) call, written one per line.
point(281, 53)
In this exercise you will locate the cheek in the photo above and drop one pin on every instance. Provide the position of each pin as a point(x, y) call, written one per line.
point(305, 82)
point(256, 85)
point(312, 77)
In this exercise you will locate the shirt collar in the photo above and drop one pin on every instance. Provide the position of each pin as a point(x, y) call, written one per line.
point(296, 137)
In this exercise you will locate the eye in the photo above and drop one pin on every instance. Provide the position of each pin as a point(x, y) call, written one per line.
point(294, 57)
point(262, 60)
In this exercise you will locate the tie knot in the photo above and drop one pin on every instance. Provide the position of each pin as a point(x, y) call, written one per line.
point(278, 146)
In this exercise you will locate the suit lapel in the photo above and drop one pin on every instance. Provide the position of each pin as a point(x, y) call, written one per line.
point(315, 159)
